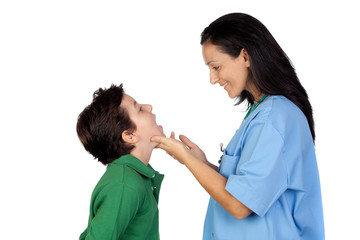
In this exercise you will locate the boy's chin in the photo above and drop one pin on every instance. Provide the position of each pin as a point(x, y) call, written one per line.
point(161, 132)
point(161, 128)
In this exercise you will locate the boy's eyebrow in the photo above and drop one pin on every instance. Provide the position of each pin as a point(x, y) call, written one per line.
point(135, 104)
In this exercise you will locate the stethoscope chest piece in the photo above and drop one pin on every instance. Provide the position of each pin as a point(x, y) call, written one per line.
point(222, 150)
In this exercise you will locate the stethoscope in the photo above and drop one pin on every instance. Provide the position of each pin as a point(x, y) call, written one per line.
point(248, 113)
point(222, 150)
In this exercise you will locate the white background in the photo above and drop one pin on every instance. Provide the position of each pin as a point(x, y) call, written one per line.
point(55, 54)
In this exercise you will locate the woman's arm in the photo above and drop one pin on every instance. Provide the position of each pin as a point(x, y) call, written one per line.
point(214, 183)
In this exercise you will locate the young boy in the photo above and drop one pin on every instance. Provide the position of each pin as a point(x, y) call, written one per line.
point(116, 130)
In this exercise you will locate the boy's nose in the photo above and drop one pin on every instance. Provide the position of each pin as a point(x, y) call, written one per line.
point(148, 107)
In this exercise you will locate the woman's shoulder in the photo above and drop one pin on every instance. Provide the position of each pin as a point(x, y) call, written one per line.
point(283, 115)
point(279, 107)
point(279, 112)
point(274, 107)
point(284, 102)
point(276, 111)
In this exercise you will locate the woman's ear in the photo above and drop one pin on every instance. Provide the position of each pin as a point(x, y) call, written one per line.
point(129, 136)
point(244, 56)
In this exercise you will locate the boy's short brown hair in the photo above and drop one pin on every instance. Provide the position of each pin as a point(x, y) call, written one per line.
point(100, 125)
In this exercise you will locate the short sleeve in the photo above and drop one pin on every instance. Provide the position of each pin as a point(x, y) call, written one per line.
point(261, 175)
point(114, 208)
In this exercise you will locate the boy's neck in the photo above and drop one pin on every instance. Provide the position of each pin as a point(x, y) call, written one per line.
point(142, 154)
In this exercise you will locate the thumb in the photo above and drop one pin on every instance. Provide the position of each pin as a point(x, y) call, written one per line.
point(187, 142)
point(157, 139)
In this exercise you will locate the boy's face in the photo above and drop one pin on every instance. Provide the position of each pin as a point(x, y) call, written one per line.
point(141, 115)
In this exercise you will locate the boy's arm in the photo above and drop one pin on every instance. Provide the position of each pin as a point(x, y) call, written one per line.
point(114, 208)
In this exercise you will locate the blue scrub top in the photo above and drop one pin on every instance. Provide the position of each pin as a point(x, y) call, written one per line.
point(271, 168)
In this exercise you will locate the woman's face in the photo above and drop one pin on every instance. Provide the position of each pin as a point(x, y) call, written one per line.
point(231, 73)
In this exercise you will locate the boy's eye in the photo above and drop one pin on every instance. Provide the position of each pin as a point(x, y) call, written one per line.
point(215, 68)
point(140, 109)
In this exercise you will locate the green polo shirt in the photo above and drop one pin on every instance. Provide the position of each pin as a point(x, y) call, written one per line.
point(124, 203)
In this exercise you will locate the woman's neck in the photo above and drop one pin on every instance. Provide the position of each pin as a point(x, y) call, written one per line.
point(255, 92)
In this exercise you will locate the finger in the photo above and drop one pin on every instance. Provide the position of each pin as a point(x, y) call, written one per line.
point(163, 142)
point(157, 139)
point(187, 142)
point(172, 135)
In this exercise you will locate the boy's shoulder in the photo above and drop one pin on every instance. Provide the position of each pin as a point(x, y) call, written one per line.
point(121, 174)
point(127, 171)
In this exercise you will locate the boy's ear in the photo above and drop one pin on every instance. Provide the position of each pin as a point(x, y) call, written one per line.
point(129, 136)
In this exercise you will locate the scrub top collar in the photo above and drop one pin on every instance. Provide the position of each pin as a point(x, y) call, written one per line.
point(137, 165)
point(251, 114)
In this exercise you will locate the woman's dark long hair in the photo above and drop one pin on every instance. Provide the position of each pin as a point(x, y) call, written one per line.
point(272, 71)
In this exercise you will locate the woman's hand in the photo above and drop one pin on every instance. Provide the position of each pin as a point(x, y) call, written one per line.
point(179, 150)
point(176, 149)
point(198, 153)
point(189, 154)
point(173, 147)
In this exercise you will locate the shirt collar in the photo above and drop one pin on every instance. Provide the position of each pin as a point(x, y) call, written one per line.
point(135, 164)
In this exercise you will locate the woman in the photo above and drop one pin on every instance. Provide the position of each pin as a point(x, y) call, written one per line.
point(267, 185)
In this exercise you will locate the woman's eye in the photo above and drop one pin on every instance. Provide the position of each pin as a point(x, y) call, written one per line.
point(216, 68)
point(140, 109)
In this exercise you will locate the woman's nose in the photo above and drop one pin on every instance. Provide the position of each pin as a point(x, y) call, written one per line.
point(214, 78)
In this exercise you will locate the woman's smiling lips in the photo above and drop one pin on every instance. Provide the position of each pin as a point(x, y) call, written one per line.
point(224, 85)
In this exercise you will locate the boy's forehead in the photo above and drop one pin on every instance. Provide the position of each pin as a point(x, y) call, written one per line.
point(127, 101)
